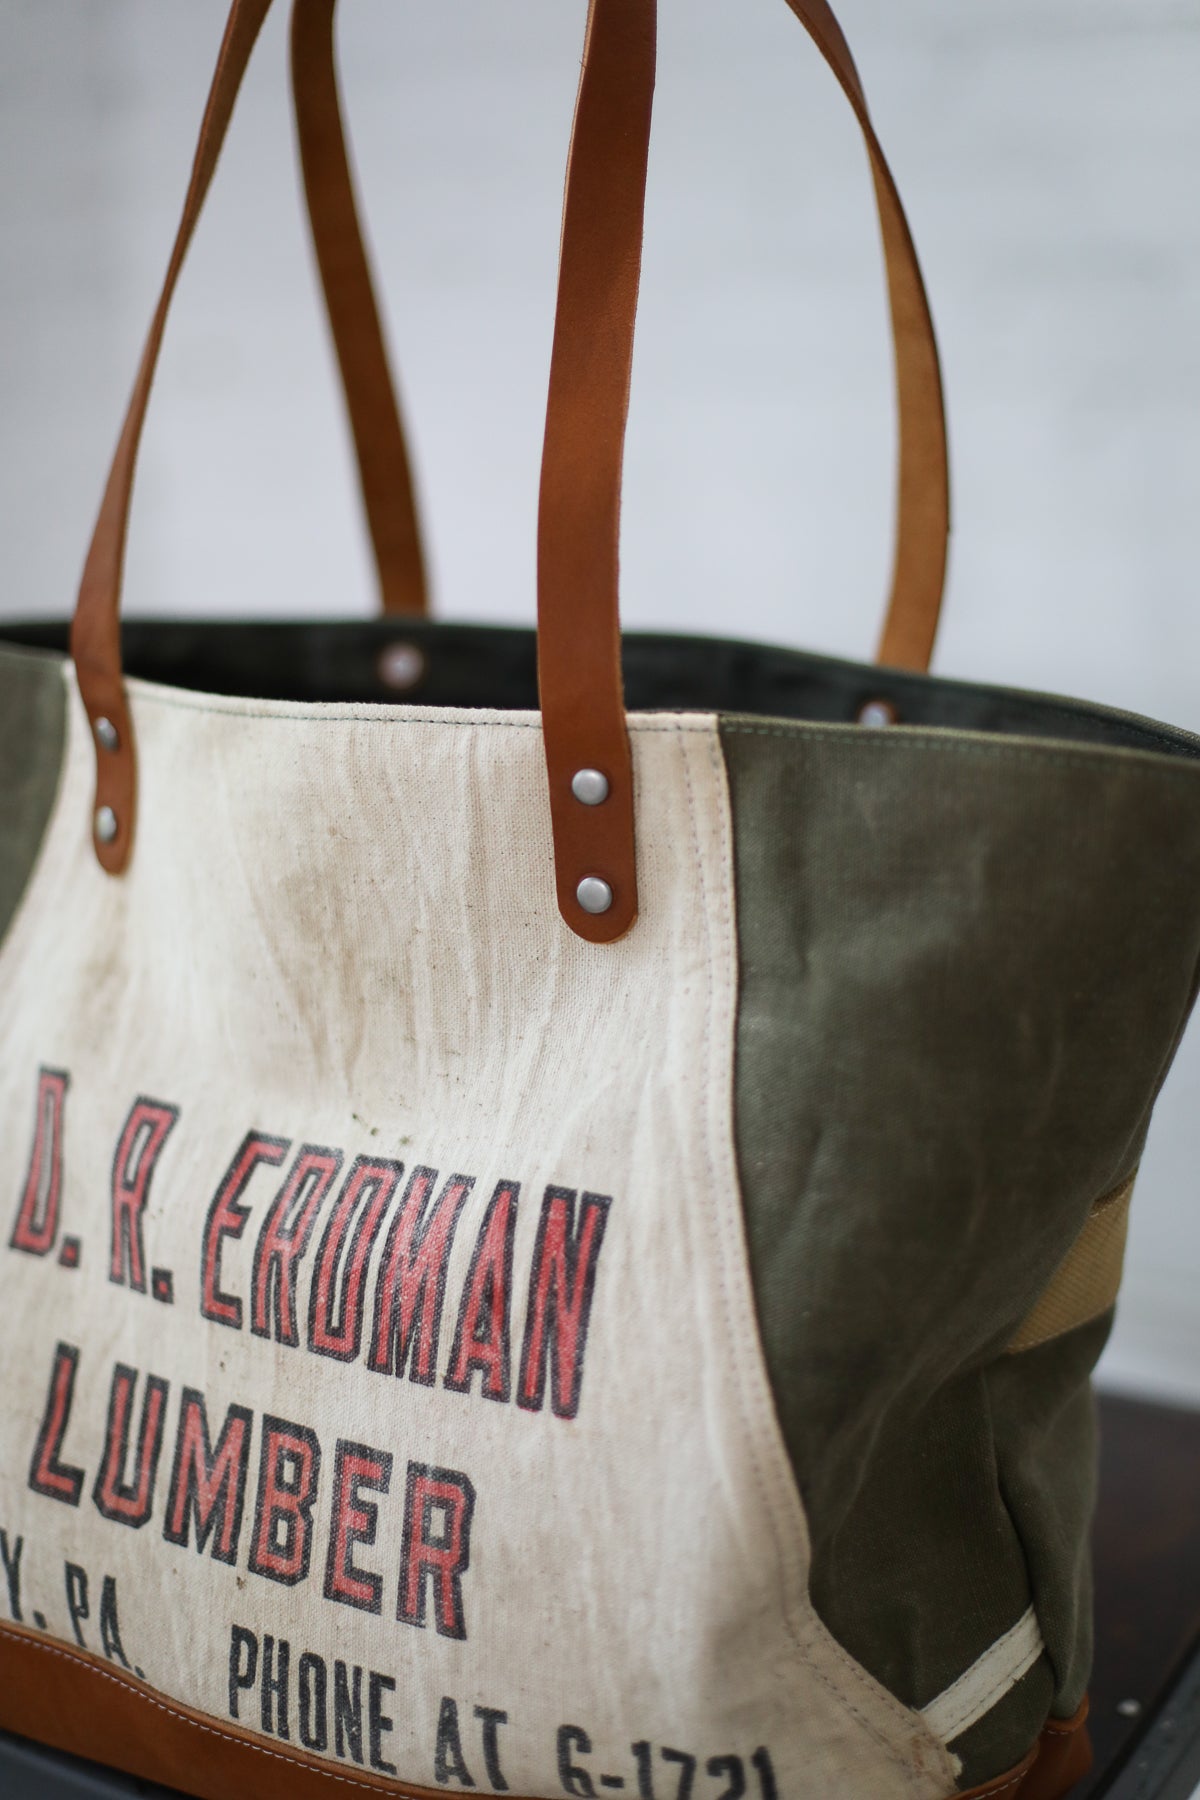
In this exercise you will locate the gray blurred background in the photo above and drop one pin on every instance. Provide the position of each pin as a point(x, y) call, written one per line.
point(1049, 152)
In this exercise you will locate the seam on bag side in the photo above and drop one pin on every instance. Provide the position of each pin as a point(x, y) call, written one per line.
point(747, 1350)
point(1061, 1727)
point(913, 737)
point(967, 1709)
point(1000, 1690)
point(1011, 1514)
point(993, 1793)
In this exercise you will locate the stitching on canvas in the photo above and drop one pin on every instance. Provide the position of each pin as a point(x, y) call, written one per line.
point(1012, 1782)
point(400, 716)
point(1132, 733)
point(970, 1710)
point(991, 1697)
point(1000, 751)
point(736, 1325)
point(329, 1773)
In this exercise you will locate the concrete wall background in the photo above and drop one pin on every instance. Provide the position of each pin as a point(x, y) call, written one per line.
point(1049, 151)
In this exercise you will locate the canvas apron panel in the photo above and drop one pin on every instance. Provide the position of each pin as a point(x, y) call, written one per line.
point(338, 1155)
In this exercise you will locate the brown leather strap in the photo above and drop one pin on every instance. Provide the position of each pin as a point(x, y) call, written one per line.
point(579, 641)
point(923, 512)
point(578, 610)
point(96, 631)
point(579, 516)
point(383, 464)
point(923, 500)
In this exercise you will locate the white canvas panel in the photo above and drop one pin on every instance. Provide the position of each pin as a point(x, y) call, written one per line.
point(554, 1530)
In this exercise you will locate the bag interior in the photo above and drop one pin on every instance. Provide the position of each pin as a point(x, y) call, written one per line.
point(356, 662)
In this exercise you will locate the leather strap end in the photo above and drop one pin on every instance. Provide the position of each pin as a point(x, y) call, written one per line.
point(579, 641)
point(102, 691)
point(114, 815)
point(596, 843)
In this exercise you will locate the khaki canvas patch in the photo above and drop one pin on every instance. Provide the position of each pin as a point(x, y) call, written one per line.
point(1087, 1281)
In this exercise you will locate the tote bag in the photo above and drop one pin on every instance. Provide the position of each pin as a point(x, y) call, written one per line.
point(561, 1196)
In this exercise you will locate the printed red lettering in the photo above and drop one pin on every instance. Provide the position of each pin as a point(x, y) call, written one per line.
point(47, 1473)
point(411, 1287)
point(481, 1338)
point(288, 1469)
point(129, 1502)
point(356, 1466)
point(144, 1133)
point(36, 1224)
point(436, 1549)
point(208, 1486)
point(334, 1331)
point(560, 1299)
point(283, 1241)
point(227, 1218)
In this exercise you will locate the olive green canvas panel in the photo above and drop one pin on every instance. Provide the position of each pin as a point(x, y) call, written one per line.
point(965, 966)
point(32, 726)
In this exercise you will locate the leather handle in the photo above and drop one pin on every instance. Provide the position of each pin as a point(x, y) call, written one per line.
point(387, 486)
point(923, 498)
point(579, 665)
point(96, 628)
point(579, 512)
point(385, 472)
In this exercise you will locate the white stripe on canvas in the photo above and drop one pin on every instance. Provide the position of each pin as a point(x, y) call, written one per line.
point(986, 1682)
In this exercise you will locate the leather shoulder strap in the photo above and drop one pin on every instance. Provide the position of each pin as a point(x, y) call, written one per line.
point(923, 498)
point(579, 513)
point(96, 628)
point(579, 663)
point(384, 469)
point(923, 501)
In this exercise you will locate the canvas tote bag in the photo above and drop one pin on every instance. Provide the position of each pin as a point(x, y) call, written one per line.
point(556, 1226)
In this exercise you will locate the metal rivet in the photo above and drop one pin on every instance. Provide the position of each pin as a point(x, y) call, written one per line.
point(106, 734)
point(106, 824)
point(590, 787)
point(1129, 1709)
point(594, 895)
point(877, 713)
point(401, 666)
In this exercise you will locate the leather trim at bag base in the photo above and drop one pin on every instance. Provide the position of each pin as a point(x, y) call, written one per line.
point(77, 1702)
point(74, 1701)
point(1061, 1757)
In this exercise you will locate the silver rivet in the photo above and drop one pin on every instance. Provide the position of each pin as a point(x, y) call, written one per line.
point(106, 824)
point(594, 895)
point(401, 666)
point(877, 713)
point(590, 787)
point(1129, 1709)
point(106, 734)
